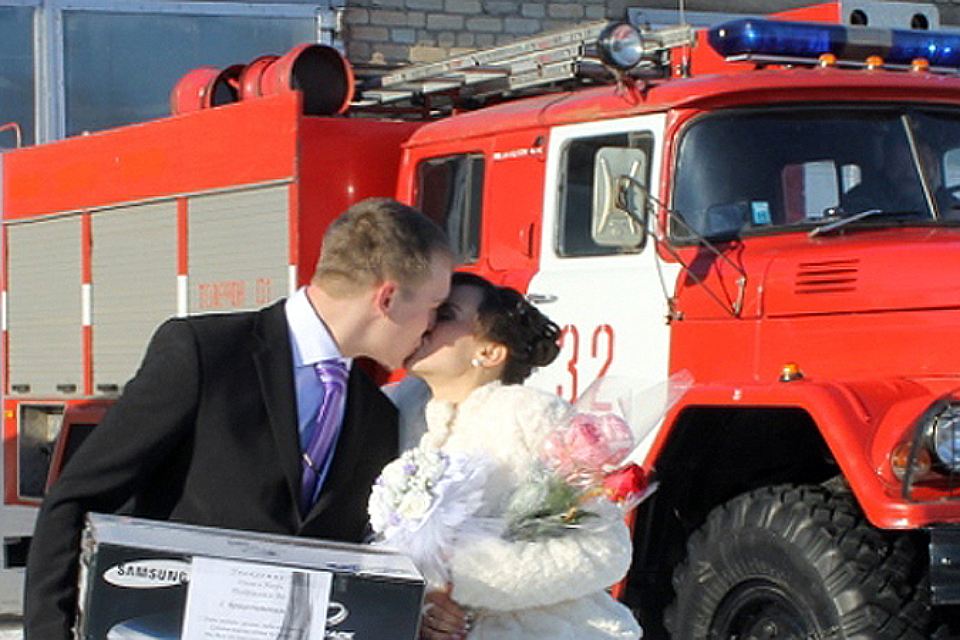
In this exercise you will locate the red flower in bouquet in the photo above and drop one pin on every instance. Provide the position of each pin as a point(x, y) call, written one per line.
point(626, 483)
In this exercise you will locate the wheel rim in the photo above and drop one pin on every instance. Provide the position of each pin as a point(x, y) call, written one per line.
point(762, 610)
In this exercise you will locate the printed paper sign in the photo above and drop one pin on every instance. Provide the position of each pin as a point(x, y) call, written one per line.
point(231, 600)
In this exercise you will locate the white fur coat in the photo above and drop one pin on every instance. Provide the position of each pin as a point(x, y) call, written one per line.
point(550, 588)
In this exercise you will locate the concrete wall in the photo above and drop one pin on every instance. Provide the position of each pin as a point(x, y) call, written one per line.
point(949, 11)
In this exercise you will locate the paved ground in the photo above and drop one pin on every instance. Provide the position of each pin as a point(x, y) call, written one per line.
point(10, 631)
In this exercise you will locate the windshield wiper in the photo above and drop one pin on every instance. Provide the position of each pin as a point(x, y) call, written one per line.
point(842, 222)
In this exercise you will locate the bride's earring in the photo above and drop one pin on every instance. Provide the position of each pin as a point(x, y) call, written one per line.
point(476, 362)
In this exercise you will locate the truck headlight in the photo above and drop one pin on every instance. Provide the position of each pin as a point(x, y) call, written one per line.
point(945, 434)
point(931, 457)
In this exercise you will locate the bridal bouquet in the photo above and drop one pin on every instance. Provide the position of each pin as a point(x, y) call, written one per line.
point(591, 458)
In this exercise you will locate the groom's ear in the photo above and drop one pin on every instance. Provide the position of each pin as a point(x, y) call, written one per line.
point(385, 296)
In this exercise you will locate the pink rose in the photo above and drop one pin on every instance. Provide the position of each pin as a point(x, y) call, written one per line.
point(588, 444)
point(618, 436)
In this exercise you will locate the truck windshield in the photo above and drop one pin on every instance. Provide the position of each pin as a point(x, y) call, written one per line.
point(749, 172)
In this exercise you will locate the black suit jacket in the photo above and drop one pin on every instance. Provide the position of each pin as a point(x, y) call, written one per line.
point(206, 433)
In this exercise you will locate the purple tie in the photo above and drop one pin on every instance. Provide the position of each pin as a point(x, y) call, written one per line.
point(332, 375)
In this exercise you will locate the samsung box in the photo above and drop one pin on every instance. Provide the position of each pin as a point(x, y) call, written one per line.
point(142, 579)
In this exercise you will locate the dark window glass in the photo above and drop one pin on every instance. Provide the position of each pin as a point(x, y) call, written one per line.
point(577, 192)
point(450, 191)
point(120, 68)
point(39, 427)
point(16, 73)
point(749, 172)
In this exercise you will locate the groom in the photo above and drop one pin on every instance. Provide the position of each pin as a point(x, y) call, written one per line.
point(256, 420)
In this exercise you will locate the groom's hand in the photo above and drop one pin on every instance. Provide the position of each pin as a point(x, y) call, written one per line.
point(443, 619)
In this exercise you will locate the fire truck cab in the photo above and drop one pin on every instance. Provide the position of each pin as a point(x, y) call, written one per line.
point(771, 206)
point(720, 224)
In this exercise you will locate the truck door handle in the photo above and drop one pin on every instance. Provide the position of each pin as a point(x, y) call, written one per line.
point(541, 298)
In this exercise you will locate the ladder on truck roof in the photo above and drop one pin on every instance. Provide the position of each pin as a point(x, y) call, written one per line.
point(531, 62)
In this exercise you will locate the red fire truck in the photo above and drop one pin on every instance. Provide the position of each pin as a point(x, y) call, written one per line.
point(770, 205)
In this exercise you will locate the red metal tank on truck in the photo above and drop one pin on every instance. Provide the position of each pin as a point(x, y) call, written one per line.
point(770, 205)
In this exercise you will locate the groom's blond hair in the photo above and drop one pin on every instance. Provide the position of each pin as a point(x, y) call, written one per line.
point(378, 239)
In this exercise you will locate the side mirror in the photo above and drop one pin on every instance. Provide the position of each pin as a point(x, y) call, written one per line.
point(619, 215)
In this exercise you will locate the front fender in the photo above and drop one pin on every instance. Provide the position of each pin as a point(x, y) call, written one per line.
point(861, 422)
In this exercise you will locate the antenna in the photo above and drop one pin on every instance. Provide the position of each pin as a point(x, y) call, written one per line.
point(685, 60)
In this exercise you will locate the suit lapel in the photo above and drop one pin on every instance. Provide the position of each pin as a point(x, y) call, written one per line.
point(274, 362)
point(349, 447)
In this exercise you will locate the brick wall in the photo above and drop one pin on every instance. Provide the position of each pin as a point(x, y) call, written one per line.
point(392, 32)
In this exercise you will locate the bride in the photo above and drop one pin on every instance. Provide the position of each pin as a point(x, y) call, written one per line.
point(486, 342)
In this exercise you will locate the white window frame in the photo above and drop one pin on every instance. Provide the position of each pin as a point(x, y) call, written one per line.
point(884, 14)
point(48, 39)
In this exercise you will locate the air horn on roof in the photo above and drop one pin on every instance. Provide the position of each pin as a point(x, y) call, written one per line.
point(319, 72)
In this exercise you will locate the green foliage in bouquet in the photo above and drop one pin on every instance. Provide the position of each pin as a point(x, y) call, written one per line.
point(545, 506)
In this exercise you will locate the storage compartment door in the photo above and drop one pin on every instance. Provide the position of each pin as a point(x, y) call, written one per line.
point(44, 307)
point(134, 262)
point(238, 249)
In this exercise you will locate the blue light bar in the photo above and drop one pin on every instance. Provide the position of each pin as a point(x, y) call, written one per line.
point(940, 49)
point(810, 39)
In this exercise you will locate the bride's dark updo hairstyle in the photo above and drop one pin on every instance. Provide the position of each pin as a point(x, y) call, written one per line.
point(504, 316)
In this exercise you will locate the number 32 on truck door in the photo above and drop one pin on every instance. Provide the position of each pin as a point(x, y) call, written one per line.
point(580, 366)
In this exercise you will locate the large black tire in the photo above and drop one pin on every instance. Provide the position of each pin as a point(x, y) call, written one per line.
point(797, 563)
